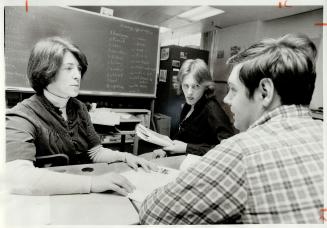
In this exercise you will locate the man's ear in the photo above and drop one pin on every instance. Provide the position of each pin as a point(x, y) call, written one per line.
point(267, 91)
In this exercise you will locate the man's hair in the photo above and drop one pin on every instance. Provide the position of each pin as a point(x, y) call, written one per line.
point(199, 69)
point(289, 61)
point(46, 58)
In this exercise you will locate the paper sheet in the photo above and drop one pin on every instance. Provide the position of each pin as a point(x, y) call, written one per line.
point(104, 116)
point(146, 182)
point(92, 209)
point(189, 161)
point(153, 137)
point(27, 210)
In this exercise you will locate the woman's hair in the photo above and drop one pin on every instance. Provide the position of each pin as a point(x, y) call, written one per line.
point(289, 61)
point(46, 58)
point(199, 69)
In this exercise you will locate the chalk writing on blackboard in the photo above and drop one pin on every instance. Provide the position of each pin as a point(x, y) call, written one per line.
point(122, 55)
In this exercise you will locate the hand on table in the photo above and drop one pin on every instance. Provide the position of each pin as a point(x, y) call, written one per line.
point(158, 153)
point(178, 147)
point(111, 181)
point(133, 161)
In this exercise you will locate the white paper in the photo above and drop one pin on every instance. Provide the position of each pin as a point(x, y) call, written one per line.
point(153, 137)
point(124, 115)
point(189, 161)
point(92, 209)
point(104, 116)
point(27, 210)
point(146, 182)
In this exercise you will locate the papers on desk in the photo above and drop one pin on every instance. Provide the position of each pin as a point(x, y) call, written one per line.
point(104, 116)
point(92, 209)
point(125, 115)
point(27, 210)
point(146, 182)
point(189, 161)
point(153, 137)
point(109, 117)
point(77, 209)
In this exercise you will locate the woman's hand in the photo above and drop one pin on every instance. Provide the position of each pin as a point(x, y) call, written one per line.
point(159, 153)
point(178, 147)
point(111, 181)
point(133, 161)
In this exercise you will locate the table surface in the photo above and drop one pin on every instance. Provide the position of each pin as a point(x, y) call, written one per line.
point(80, 209)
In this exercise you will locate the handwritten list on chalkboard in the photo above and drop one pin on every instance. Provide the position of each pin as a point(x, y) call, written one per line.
point(122, 55)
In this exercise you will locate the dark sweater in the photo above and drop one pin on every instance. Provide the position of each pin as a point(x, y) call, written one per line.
point(205, 127)
point(35, 127)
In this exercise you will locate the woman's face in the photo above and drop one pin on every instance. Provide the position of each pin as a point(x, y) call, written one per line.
point(68, 78)
point(192, 90)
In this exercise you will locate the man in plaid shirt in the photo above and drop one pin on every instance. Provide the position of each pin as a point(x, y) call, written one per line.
point(271, 172)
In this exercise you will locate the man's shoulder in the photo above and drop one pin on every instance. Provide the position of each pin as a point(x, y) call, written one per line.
point(243, 142)
point(233, 144)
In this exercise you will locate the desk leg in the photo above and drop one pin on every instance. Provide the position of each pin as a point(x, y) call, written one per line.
point(136, 145)
point(122, 145)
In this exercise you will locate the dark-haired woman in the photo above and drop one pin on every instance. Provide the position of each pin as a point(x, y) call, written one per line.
point(53, 121)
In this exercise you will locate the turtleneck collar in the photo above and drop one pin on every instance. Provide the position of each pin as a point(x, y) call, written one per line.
point(57, 101)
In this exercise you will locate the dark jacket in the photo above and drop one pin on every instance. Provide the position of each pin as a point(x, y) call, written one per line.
point(35, 127)
point(205, 127)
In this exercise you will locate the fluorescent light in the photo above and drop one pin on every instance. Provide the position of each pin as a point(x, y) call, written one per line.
point(164, 29)
point(199, 13)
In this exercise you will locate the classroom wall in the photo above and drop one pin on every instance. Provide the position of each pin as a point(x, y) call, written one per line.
point(243, 35)
point(317, 98)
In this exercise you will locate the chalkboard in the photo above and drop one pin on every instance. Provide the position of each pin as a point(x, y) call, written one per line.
point(122, 55)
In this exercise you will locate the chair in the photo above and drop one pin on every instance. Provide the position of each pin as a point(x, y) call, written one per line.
point(51, 160)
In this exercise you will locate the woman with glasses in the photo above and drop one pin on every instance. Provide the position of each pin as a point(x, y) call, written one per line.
point(203, 123)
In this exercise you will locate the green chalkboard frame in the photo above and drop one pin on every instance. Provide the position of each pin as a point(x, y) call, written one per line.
point(123, 55)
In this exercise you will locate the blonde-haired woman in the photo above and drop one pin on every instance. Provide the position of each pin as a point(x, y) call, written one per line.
point(203, 123)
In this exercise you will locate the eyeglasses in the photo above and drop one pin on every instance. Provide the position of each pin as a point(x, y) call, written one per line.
point(194, 87)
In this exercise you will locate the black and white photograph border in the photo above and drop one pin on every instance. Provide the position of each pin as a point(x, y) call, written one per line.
point(270, 22)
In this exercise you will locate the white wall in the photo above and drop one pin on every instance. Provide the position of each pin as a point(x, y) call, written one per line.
point(317, 98)
point(241, 35)
point(304, 23)
point(245, 34)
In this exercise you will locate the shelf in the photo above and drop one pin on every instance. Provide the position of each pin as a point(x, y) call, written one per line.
point(124, 110)
point(131, 119)
point(113, 143)
point(122, 132)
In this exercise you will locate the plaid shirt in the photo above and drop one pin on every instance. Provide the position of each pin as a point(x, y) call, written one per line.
point(272, 173)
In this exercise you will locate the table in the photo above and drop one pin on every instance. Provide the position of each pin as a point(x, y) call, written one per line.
point(80, 209)
point(170, 162)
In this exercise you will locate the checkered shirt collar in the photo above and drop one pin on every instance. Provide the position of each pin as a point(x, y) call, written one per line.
point(283, 111)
